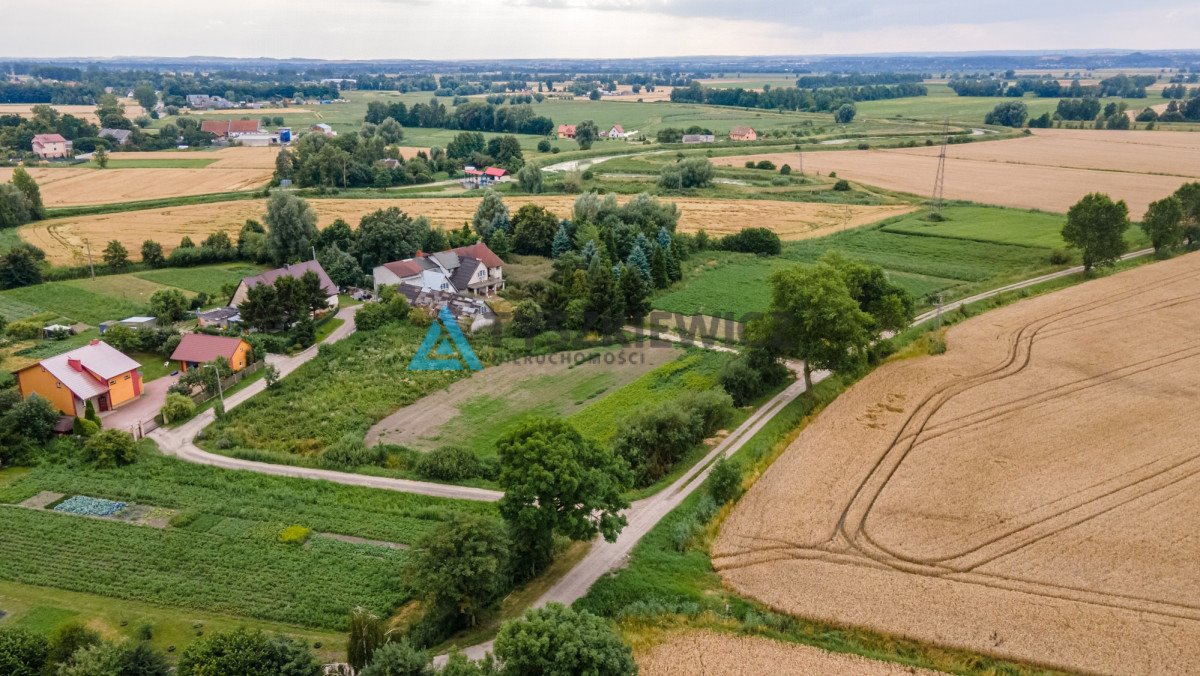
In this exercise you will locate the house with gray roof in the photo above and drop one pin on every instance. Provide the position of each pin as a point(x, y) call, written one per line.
point(474, 270)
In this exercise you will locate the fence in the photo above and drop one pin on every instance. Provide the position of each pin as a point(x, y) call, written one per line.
point(145, 427)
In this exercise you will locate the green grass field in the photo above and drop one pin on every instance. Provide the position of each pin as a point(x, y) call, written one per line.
point(205, 279)
point(221, 554)
point(695, 371)
point(117, 296)
point(943, 103)
point(975, 248)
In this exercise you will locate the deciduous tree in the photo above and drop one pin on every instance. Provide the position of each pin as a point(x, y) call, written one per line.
point(555, 639)
point(461, 566)
point(1096, 226)
point(557, 482)
point(1163, 224)
point(291, 228)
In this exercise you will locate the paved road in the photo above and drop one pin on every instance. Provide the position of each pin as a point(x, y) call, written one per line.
point(178, 441)
point(145, 407)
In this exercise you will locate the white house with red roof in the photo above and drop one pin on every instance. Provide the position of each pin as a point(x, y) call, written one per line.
point(52, 147)
point(616, 132)
point(474, 270)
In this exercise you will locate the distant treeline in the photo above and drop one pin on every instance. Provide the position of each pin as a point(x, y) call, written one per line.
point(1125, 86)
point(858, 79)
point(788, 98)
point(472, 116)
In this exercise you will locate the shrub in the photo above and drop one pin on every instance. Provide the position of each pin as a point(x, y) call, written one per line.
point(24, 330)
point(294, 535)
point(749, 164)
point(22, 653)
point(111, 448)
point(243, 651)
point(543, 146)
point(1059, 257)
point(653, 441)
point(724, 481)
point(842, 185)
point(785, 169)
point(762, 241)
point(767, 165)
point(450, 463)
point(177, 407)
point(350, 451)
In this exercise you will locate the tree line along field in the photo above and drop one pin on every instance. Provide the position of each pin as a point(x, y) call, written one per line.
point(63, 239)
point(975, 247)
point(1026, 494)
point(221, 553)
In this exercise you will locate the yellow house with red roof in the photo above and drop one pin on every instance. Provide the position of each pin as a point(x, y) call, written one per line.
point(96, 372)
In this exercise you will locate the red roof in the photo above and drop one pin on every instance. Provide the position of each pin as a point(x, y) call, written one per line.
point(243, 126)
point(494, 171)
point(619, 128)
point(566, 129)
point(405, 268)
point(202, 348)
point(49, 138)
point(227, 127)
point(480, 252)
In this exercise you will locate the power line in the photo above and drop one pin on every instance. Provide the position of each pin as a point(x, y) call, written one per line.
point(939, 182)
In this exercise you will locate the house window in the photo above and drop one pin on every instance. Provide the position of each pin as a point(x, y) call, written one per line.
point(112, 382)
point(126, 376)
point(57, 385)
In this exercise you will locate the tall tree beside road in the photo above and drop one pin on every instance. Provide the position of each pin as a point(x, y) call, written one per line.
point(1095, 226)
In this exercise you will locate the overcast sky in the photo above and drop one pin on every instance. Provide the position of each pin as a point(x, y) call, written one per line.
point(449, 29)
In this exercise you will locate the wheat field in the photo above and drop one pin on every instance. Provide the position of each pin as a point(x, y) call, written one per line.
point(1030, 493)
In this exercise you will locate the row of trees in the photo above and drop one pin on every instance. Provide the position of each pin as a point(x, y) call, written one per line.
point(1096, 226)
point(471, 116)
point(787, 98)
point(355, 160)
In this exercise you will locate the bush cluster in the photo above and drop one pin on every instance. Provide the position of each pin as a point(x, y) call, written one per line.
point(653, 441)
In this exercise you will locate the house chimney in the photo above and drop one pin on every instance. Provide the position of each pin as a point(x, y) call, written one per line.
point(75, 364)
point(94, 341)
point(420, 254)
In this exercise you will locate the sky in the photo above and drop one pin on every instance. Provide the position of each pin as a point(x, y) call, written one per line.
point(472, 29)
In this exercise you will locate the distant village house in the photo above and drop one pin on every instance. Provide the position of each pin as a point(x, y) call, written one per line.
point(742, 134)
point(698, 138)
point(206, 102)
point(51, 147)
point(119, 136)
point(566, 131)
point(227, 129)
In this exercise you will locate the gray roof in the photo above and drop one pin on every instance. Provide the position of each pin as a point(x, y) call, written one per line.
point(296, 270)
point(97, 357)
point(447, 259)
point(118, 135)
point(218, 314)
point(464, 273)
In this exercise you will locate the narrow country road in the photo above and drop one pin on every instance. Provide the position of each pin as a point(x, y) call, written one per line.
point(179, 442)
point(643, 515)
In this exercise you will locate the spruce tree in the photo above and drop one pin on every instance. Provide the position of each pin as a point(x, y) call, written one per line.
point(658, 269)
point(636, 294)
point(562, 241)
point(638, 262)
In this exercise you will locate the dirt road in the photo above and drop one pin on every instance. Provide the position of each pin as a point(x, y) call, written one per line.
point(178, 441)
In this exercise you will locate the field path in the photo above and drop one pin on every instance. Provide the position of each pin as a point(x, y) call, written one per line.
point(178, 441)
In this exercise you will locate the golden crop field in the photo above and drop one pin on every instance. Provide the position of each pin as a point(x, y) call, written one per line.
point(63, 239)
point(71, 186)
point(1049, 170)
point(709, 652)
point(1030, 493)
point(84, 112)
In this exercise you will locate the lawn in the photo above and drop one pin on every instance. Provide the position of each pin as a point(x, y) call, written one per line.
point(695, 371)
point(204, 279)
point(153, 366)
point(76, 302)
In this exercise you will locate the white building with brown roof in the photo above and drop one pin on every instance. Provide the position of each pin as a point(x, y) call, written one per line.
point(473, 269)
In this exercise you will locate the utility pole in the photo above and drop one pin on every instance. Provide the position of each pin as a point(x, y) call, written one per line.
point(939, 182)
point(800, 152)
point(220, 390)
point(91, 267)
point(938, 303)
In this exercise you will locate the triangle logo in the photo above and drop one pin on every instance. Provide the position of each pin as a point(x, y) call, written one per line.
point(444, 348)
